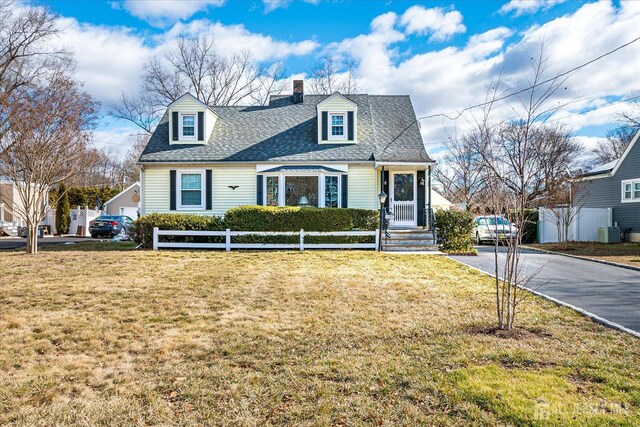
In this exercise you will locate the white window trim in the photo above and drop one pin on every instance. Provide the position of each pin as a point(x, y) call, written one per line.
point(203, 190)
point(632, 182)
point(184, 137)
point(321, 187)
point(345, 125)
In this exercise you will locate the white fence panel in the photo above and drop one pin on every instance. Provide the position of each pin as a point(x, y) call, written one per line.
point(228, 245)
point(81, 217)
point(583, 228)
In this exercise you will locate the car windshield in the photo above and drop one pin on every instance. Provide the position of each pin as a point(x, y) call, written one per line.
point(497, 220)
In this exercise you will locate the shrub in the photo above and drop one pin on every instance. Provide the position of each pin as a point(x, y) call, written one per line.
point(271, 218)
point(141, 231)
point(530, 229)
point(454, 229)
point(62, 210)
point(290, 218)
point(260, 218)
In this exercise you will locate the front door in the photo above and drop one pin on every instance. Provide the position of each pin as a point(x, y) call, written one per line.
point(403, 199)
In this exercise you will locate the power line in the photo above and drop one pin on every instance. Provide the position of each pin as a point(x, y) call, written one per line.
point(446, 115)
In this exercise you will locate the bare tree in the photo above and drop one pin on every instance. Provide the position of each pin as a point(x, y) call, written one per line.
point(461, 175)
point(566, 198)
point(196, 66)
point(329, 76)
point(614, 145)
point(46, 138)
point(25, 56)
point(510, 152)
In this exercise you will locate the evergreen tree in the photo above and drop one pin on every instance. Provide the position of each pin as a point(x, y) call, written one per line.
point(62, 210)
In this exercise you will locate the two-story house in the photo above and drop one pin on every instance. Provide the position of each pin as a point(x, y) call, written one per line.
point(328, 151)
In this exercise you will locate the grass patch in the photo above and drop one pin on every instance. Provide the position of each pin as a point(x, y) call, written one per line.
point(120, 337)
point(623, 253)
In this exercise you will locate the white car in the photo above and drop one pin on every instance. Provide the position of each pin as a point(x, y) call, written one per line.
point(492, 228)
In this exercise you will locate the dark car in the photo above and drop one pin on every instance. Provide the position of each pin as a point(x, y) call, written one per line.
point(109, 225)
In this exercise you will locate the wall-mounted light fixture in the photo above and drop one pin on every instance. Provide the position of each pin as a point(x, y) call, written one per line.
point(422, 181)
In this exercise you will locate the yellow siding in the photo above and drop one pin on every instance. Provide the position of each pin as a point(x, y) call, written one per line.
point(188, 104)
point(156, 188)
point(224, 197)
point(337, 104)
point(363, 187)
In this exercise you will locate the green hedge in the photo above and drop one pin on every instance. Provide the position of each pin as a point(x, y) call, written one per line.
point(454, 229)
point(85, 196)
point(141, 231)
point(261, 218)
point(530, 229)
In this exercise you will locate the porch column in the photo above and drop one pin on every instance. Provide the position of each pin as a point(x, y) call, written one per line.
point(429, 193)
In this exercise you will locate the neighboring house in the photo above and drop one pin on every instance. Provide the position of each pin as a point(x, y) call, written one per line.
point(439, 202)
point(12, 208)
point(329, 151)
point(126, 202)
point(616, 185)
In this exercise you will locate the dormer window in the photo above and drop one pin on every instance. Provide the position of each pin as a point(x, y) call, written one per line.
point(188, 126)
point(337, 123)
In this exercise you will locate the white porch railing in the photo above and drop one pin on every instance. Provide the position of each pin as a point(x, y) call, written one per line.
point(404, 212)
point(228, 245)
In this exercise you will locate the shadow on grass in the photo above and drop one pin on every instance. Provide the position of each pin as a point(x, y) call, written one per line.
point(104, 246)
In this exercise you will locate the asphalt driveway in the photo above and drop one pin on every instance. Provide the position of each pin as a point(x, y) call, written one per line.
point(610, 292)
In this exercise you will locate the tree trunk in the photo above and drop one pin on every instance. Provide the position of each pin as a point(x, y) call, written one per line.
point(32, 237)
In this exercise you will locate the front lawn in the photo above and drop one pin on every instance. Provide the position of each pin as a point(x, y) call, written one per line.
point(286, 338)
point(623, 253)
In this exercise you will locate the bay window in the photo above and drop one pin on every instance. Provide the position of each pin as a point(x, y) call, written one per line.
point(302, 190)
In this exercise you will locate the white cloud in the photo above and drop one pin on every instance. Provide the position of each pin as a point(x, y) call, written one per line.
point(163, 12)
point(452, 78)
point(271, 5)
point(523, 7)
point(232, 39)
point(437, 22)
point(109, 59)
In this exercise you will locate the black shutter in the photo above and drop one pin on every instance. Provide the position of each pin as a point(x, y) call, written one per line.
point(172, 190)
point(421, 199)
point(350, 126)
point(259, 196)
point(385, 187)
point(209, 190)
point(345, 195)
point(174, 126)
point(325, 130)
point(201, 126)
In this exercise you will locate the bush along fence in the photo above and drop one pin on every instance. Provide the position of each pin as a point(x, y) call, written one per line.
point(263, 227)
point(454, 229)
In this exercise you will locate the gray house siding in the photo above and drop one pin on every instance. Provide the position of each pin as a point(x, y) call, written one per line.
point(607, 192)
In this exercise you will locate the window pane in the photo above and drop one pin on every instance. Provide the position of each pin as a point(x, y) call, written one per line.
point(337, 130)
point(188, 125)
point(337, 120)
point(331, 191)
point(301, 189)
point(627, 191)
point(272, 191)
point(636, 190)
point(191, 198)
point(191, 181)
point(403, 187)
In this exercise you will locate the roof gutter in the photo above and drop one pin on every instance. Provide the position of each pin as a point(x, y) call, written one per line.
point(416, 164)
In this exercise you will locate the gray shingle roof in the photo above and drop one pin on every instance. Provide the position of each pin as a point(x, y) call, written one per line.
point(283, 131)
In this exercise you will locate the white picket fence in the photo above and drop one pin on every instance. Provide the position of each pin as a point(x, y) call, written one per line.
point(583, 228)
point(228, 245)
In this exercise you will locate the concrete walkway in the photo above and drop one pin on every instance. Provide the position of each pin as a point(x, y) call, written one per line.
point(610, 292)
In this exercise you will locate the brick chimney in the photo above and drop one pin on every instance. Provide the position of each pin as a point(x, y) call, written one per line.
point(298, 91)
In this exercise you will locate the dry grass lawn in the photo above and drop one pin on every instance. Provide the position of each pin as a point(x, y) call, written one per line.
point(623, 253)
point(107, 337)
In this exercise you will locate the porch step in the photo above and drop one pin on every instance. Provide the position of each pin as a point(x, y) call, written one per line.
point(409, 240)
point(10, 230)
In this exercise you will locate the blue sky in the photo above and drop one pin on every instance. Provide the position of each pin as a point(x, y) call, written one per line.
point(443, 54)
